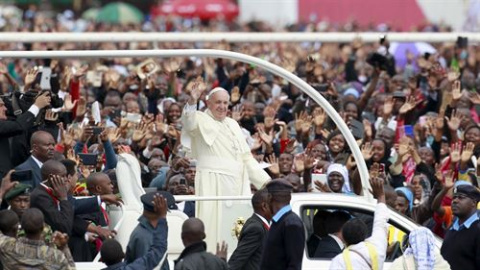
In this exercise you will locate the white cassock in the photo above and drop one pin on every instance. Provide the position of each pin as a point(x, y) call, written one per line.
point(225, 165)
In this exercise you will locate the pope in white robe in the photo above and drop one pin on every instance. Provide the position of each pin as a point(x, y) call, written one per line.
point(225, 165)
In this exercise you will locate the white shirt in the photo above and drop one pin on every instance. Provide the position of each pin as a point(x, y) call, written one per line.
point(338, 240)
point(263, 219)
point(39, 163)
point(378, 239)
point(181, 206)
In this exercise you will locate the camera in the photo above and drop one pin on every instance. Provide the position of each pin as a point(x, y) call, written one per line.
point(377, 60)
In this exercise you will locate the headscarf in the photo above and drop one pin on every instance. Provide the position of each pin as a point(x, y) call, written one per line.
point(336, 167)
point(409, 194)
point(422, 247)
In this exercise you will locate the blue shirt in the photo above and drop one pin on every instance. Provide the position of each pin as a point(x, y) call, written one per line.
point(466, 224)
point(282, 212)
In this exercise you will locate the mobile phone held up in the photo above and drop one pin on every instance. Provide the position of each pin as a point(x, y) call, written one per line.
point(22, 176)
point(88, 159)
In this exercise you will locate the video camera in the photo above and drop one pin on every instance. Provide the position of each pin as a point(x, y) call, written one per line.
point(18, 103)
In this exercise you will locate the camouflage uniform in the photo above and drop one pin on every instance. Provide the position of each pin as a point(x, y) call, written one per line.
point(47, 233)
point(23, 254)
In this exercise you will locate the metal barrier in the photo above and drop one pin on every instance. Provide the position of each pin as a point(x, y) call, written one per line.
point(233, 37)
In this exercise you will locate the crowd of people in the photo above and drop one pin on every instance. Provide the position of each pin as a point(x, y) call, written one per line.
point(202, 126)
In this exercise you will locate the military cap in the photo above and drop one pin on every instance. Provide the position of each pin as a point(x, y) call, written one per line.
point(147, 200)
point(279, 186)
point(19, 189)
point(468, 190)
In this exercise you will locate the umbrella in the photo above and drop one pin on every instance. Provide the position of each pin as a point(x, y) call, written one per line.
point(204, 9)
point(118, 12)
point(91, 14)
point(399, 51)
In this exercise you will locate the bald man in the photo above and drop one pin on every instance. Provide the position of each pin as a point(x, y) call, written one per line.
point(195, 256)
point(42, 147)
point(225, 165)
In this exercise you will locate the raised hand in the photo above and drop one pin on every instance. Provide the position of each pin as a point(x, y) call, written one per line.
point(351, 163)
point(160, 206)
point(30, 77)
point(408, 106)
point(456, 90)
point(274, 168)
point(448, 184)
point(309, 160)
point(299, 163)
point(455, 152)
point(367, 151)
point(237, 113)
point(367, 127)
point(198, 87)
point(403, 147)
point(439, 122)
point(66, 136)
point(455, 120)
point(299, 121)
point(467, 152)
point(267, 138)
point(81, 107)
point(474, 98)
point(7, 184)
point(222, 251)
point(139, 132)
point(322, 187)
point(43, 100)
point(307, 125)
point(377, 188)
point(319, 118)
point(68, 104)
point(235, 94)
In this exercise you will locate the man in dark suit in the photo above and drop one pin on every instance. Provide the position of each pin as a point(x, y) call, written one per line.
point(332, 244)
point(51, 197)
point(248, 253)
point(319, 231)
point(42, 149)
point(286, 238)
point(9, 129)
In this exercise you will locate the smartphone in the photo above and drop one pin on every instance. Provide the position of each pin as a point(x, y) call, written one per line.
point(45, 79)
point(22, 176)
point(321, 177)
point(88, 159)
point(408, 130)
point(115, 114)
point(381, 168)
point(97, 130)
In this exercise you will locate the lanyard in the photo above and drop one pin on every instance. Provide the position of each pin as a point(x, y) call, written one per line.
point(371, 252)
